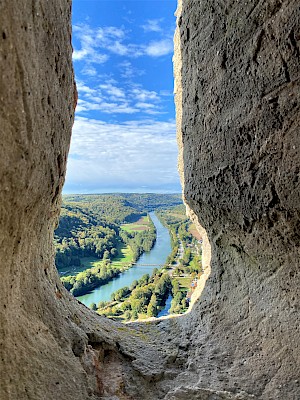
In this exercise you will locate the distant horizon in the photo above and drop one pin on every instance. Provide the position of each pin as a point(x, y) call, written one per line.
point(117, 192)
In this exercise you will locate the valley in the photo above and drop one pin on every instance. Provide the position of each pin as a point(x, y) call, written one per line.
point(127, 256)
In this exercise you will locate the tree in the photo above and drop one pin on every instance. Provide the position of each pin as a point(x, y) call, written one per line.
point(184, 302)
point(93, 306)
point(106, 255)
point(114, 252)
point(175, 287)
point(120, 293)
point(133, 285)
point(152, 306)
point(151, 310)
point(102, 304)
point(154, 273)
point(134, 314)
point(127, 315)
point(125, 306)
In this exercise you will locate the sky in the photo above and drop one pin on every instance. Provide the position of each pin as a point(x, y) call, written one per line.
point(124, 135)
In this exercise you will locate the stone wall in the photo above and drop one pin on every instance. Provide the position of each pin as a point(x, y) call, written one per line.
point(236, 70)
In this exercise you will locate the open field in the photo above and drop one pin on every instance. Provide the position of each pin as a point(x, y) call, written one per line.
point(184, 282)
point(194, 232)
point(143, 224)
point(124, 257)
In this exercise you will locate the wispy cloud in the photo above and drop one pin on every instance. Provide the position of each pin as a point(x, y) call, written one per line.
point(105, 107)
point(128, 71)
point(88, 41)
point(145, 105)
point(153, 25)
point(159, 48)
point(96, 44)
point(113, 91)
point(93, 42)
point(89, 70)
point(84, 89)
point(132, 153)
point(124, 131)
point(109, 98)
point(144, 95)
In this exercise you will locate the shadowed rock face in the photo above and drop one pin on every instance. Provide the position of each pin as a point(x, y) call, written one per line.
point(237, 99)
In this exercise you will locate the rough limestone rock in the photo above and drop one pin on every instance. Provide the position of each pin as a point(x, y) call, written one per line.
point(51, 346)
point(237, 96)
point(237, 99)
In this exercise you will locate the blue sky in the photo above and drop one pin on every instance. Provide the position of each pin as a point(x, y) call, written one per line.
point(124, 135)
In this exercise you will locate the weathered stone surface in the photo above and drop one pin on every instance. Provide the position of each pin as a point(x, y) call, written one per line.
point(237, 96)
point(237, 88)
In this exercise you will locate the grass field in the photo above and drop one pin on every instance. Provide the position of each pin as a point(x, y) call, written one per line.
point(125, 256)
point(143, 224)
point(185, 282)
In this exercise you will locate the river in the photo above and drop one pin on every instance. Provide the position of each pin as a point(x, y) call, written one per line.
point(157, 255)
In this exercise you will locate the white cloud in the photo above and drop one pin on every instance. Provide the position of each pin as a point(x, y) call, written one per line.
point(88, 43)
point(99, 104)
point(82, 88)
point(109, 98)
point(145, 105)
point(129, 50)
point(148, 108)
point(153, 25)
point(80, 54)
point(113, 91)
point(111, 31)
point(97, 43)
point(89, 70)
point(93, 42)
point(166, 93)
point(141, 153)
point(159, 48)
point(118, 48)
point(144, 95)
